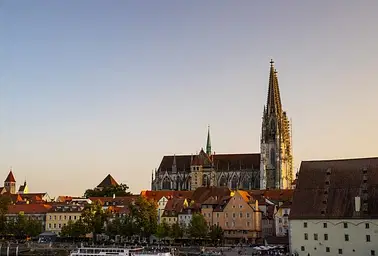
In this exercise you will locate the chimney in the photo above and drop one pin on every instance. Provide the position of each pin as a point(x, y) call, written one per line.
point(357, 203)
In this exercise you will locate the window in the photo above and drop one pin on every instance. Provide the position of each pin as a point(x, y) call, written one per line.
point(346, 237)
point(327, 249)
point(324, 225)
point(302, 248)
point(248, 215)
point(367, 238)
point(60, 225)
point(367, 225)
point(217, 214)
point(315, 236)
point(345, 225)
point(226, 215)
point(50, 217)
point(340, 251)
point(325, 237)
point(233, 215)
point(372, 253)
point(240, 206)
point(305, 224)
point(279, 220)
point(241, 215)
point(50, 224)
point(305, 236)
point(54, 225)
point(248, 224)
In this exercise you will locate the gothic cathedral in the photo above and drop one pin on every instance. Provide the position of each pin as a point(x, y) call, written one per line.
point(271, 169)
point(276, 166)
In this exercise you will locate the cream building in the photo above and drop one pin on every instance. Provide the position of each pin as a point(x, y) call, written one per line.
point(334, 209)
point(60, 215)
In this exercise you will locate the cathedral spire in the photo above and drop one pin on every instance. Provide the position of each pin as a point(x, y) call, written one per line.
point(208, 142)
point(273, 104)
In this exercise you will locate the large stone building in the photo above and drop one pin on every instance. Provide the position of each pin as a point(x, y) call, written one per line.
point(334, 209)
point(270, 169)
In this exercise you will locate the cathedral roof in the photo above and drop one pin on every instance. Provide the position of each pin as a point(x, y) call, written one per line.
point(327, 189)
point(10, 177)
point(220, 162)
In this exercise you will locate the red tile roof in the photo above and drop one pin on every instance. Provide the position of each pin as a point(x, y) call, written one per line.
point(157, 195)
point(28, 208)
point(120, 200)
point(326, 189)
point(10, 177)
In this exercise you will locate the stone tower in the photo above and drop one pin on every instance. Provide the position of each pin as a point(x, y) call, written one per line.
point(276, 167)
point(10, 183)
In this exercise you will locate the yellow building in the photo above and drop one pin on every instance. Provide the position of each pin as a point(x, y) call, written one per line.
point(60, 215)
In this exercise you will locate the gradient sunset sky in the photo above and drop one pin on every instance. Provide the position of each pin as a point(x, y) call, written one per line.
point(91, 87)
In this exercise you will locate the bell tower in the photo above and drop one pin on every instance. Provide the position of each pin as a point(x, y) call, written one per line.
point(276, 166)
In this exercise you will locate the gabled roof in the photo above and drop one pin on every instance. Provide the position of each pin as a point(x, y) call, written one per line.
point(201, 194)
point(10, 177)
point(326, 189)
point(108, 182)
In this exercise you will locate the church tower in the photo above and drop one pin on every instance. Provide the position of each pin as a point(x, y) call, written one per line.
point(276, 167)
point(10, 183)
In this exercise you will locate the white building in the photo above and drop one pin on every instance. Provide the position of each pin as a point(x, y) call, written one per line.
point(335, 210)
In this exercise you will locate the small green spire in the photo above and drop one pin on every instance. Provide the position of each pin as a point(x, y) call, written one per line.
point(208, 143)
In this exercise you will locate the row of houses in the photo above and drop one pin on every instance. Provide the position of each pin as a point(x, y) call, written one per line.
point(245, 216)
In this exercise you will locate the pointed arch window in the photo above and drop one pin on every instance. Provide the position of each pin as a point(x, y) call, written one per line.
point(223, 181)
point(166, 184)
point(234, 182)
point(205, 180)
point(273, 157)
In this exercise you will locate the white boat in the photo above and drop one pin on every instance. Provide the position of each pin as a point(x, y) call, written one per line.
point(96, 251)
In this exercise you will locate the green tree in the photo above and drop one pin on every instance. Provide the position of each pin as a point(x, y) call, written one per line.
point(177, 231)
point(74, 229)
point(114, 227)
point(128, 226)
point(117, 190)
point(216, 233)
point(4, 203)
point(144, 216)
point(198, 227)
point(163, 230)
point(94, 217)
point(33, 227)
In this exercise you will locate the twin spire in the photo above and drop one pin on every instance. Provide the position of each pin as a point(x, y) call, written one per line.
point(208, 142)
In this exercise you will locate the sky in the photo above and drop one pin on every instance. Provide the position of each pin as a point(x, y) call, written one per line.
point(89, 88)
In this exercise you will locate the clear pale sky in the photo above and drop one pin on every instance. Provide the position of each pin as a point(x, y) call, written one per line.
point(90, 87)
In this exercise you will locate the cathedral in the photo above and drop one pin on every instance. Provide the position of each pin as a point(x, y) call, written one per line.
point(272, 168)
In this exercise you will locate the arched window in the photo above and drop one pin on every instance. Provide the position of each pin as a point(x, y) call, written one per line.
point(223, 181)
point(234, 182)
point(273, 157)
point(205, 180)
point(166, 184)
point(246, 183)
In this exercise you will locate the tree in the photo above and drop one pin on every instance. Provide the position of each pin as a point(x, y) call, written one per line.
point(216, 233)
point(177, 231)
point(143, 213)
point(117, 190)
point(128, 226)
point(94, 217)
point(74, 229)
point(198, 227)
point(114, 227)
point(162, 230)
point(24, 227)
point(4, 203)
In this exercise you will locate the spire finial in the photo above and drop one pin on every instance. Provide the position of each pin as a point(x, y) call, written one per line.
point(271, 62)
point(208, 142)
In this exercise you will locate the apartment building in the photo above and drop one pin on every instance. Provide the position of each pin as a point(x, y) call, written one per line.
point(60, 215)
